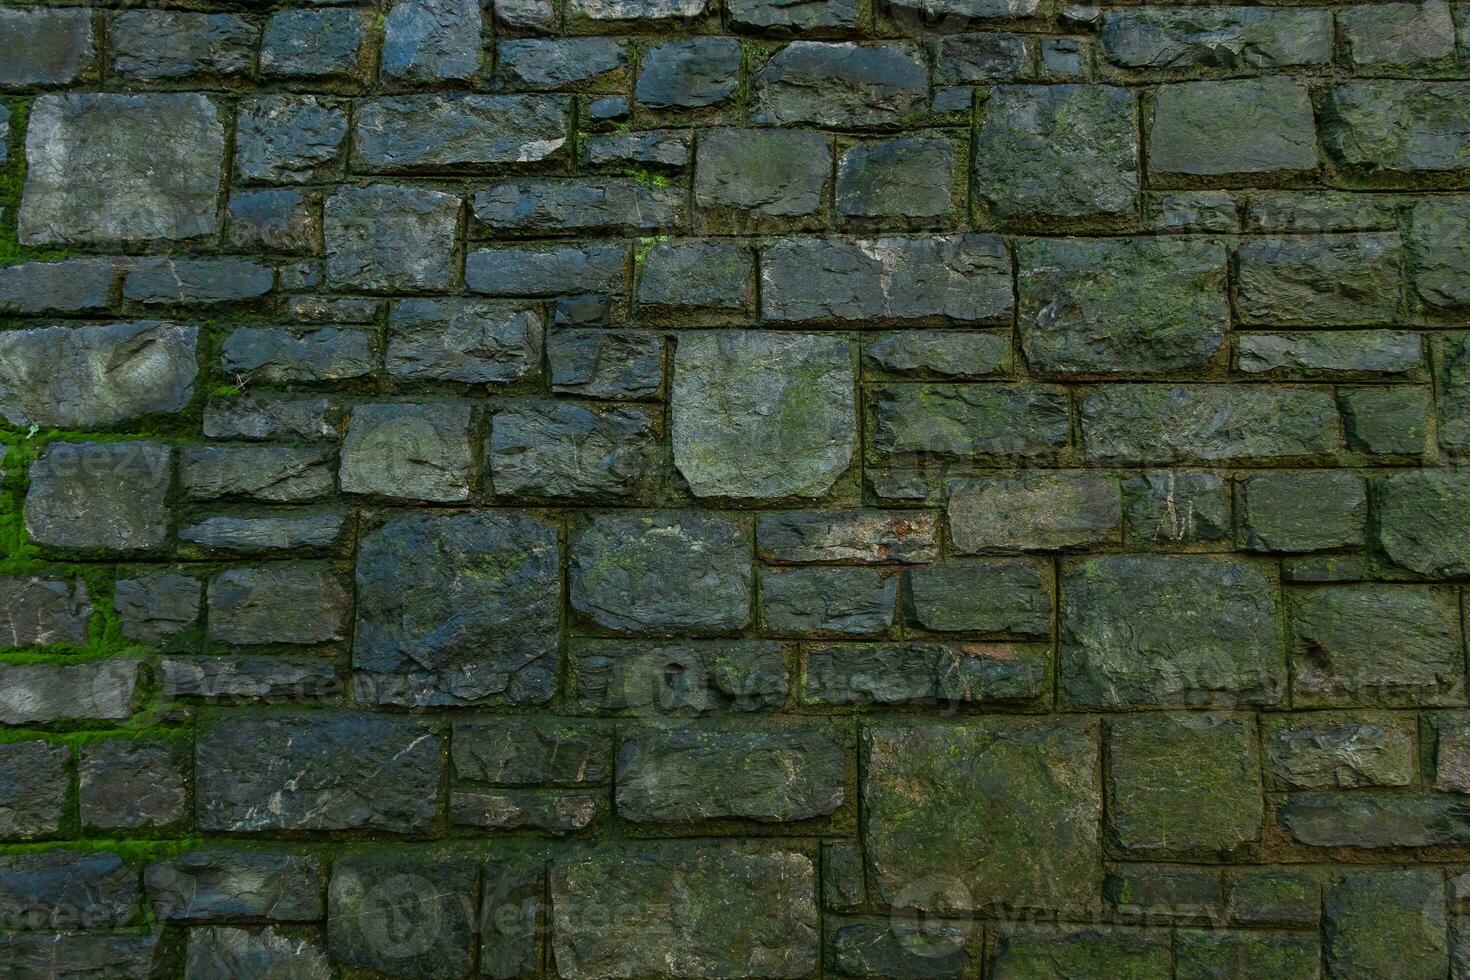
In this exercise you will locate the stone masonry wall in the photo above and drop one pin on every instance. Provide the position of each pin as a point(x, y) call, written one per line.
point(723, 489)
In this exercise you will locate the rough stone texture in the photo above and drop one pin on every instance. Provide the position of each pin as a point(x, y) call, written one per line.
point(663, 571)
point(100, 496)
point(800, 416)
point(39, 612)
point(96, 376)
point(121, 168)
point(457, 610)
point(34, 779)
point(958, 817)
point(746, 911)
point(389, 238)
point(1170, 631)
point(1183, 786)
point(317, 772)
point(1132, 306)
point(678, 490)
point(1048, 152)
point(687, 776)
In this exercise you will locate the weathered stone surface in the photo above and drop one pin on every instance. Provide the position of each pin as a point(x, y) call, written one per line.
point(1374, 820)
point(415, 451)
point(289, 139)
point(1385, 923)
point(324, 43)
point(698, 275)
point(1306, 511)
point(404, 916)
point(1339, 353)
point(578, 204)
point(900, 949)
point(466, 341)
point(106, 167)
point(758, 415)
point(907, 177)
point(158, 45)
point(679, 679)
point(178, 282)
point(431, 40)
point(79, 285)
point(799, 16)
point(689, 74)
point(1081, 954)
point(638, 10)
point(303, 530)
point(923, 674)
point(275, 474)
point(408, 134)
point(278, 355)
point(546, 271)
point(39, 612)
point(244, 680)
point(1067, 152)
point(559, 64)
point(1170, 631)
point(664, 571)
point(277, 603)
point(1208, 423)
point(1009, 597)
point(951, 277)
point(1240, 953)
point(553, 449)
point(603, 364)
point(270, 417)
point(75, 955)
point(317, 771)
point(1175, 507)
point(1328, 280)
point(1183, 785)
point(229, 883)
point(227, 951)
point(847, 536)
point(1034, 512)
point(532, 752)
point(92, 376)
point(131, 784)
point(1423, 523)
point(548, 811)
point(1438, 256)
point(662, 148)
point(1237, 39)
point(48, 692)
point(100, 496)
point(33, 789)
point(1386, 420)
point(778, 173)
point(703, 774)
point(387, 238)
point(1382, 128)
point(1402, 35)
point(1376, 645)
point(844, 85)
point(745, 911)
point(1316, 752)
point(1003, 812)
point(845, 601)
point(1128, 306)
point(47, 46)
point(459, 609)
point(1275, 898)
point(1237, 128)
point(943, 353)
point(66, 888)
point(1001, 421)
point(276, 220)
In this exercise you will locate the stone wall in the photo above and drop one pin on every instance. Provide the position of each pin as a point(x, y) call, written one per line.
point(734, 489)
